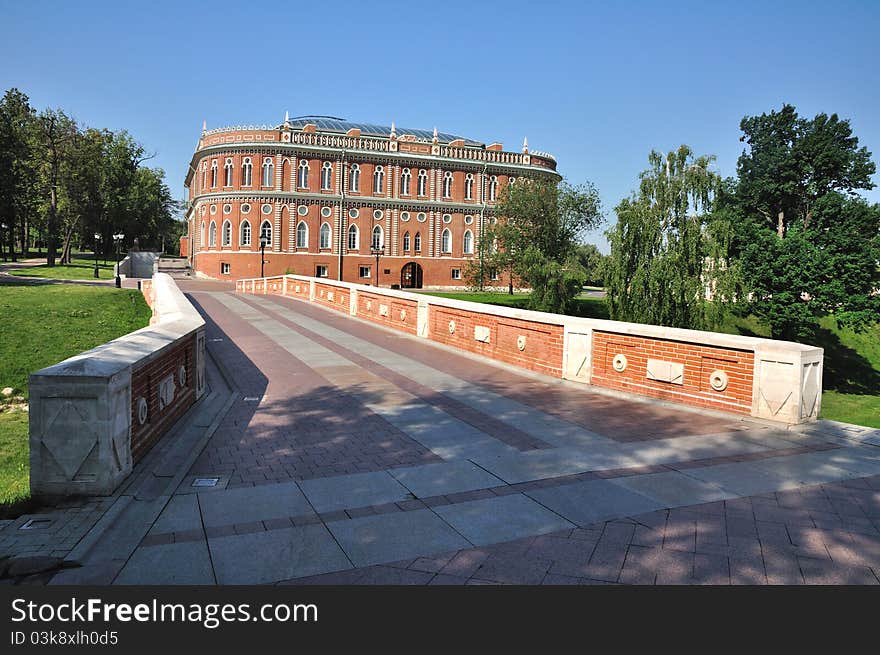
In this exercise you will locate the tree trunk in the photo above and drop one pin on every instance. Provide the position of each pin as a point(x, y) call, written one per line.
point(780, 224)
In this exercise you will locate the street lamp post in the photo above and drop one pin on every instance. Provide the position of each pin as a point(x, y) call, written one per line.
point(377, 252)
point(117, 239)
point(264, 241)
point(97, 239)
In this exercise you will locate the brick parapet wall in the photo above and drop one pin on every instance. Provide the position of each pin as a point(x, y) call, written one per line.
point(95, 414)
point(694, 385)
point(777, 380)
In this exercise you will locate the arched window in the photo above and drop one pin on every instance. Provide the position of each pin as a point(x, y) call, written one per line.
point(353, 237)
point(227, 172)
point(469, 186)
point(303, 178)
point(268, 172)
point(378, 240)
point(204, 174)
point(417, 244)
point(447, 184)
point(302, 235)
point(378, 179)
point(493, 188)
point(446, 241)
point(245, 238)
point(202, 235)
point(247, 172)
point(406, 241)
point(405, 178)
point(324, 236)
point(468, 242)
point(266, 231)
point(354, 179)
point(326, 175)
point(212, 235)
point(226, 234)
point(214, 174)
point(423, 183)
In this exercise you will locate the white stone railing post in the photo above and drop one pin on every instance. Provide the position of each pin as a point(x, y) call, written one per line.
point(787, 383)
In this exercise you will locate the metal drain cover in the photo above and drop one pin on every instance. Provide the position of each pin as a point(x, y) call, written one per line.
point(205, 482)
point(36, 524)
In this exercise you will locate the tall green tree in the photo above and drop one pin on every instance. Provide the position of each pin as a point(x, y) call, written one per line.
point(803, 233)
point(539, 228)
point(56, 135)
point(593, 262)
point(17, 167)
point(658, 272)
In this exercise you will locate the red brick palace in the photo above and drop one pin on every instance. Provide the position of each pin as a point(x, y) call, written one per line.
point(327, 194)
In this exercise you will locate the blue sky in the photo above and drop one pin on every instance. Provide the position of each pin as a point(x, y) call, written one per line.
point(596, 84)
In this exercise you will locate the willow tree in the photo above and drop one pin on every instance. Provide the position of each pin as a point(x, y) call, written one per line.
point(663, 257)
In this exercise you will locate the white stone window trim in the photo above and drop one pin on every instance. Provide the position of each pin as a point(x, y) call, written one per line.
point(247, 172)
point(325, 236)
point(302, 236)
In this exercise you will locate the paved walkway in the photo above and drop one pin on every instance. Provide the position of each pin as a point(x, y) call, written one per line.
point(351, 454)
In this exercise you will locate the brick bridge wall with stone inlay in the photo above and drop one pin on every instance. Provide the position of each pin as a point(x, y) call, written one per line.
point(777, 380)
point(94, 415)
point(693, 387)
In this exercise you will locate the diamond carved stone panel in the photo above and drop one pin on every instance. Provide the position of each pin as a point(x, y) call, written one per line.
point(70, 417)
point(663, 371)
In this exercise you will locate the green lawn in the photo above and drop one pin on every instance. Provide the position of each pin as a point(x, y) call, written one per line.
point(78, 269)
point(42, 325)
point(851, 380)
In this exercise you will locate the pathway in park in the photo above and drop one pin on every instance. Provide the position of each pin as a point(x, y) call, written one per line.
point(346, 453)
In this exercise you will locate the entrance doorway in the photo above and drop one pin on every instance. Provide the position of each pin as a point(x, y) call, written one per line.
point(411, 276)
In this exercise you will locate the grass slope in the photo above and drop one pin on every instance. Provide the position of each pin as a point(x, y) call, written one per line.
point(41, 325)
point(78, 269)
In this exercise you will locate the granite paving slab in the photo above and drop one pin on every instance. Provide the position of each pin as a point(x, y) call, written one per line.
point(355, 490)
point(248, 504)
point(742, 478)
point(181, 513)
point(185, 563)
point(584, 503)
point(552, 463)
point(444, 478)
point(397, 536)
point(275, 555)
point(503, 518)
point(673, 489)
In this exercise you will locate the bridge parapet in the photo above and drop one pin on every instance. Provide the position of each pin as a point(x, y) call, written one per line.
point(94, 415)
point(763, 378)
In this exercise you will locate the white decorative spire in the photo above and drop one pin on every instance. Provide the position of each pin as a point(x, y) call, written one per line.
point(286, 118)
point(525, 144)
point(436, 138)
point(204, 127)
point(393, 131)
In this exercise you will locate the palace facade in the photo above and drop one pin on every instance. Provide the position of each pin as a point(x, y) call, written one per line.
point(327, 196)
